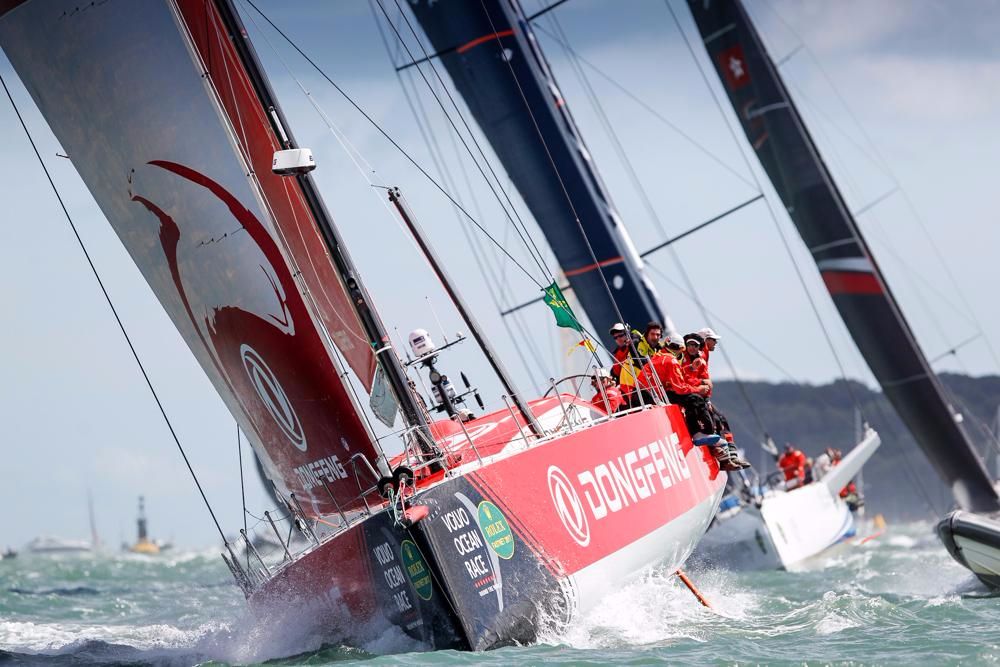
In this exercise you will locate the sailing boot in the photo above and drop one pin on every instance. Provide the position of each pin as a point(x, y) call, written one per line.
point(721, 454)
point(734, 453)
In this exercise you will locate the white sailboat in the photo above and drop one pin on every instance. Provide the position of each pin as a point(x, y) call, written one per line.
point(773, 528)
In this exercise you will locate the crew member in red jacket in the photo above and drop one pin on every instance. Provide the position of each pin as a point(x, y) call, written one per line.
point(711, 340)
point(793, 464)
point(609, 399)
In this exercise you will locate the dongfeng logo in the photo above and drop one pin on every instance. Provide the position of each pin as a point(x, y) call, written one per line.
point(568, 506)
point(274, 397)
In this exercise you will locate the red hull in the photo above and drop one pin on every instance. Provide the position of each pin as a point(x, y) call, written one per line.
point(543, 530)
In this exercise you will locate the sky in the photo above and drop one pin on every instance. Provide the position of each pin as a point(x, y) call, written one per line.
point(902, 98)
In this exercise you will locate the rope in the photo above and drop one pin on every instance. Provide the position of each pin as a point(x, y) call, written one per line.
point(879, 160)
point(487, 271)
point(393, 142)
point(548, 153)
point(111, 305)
point(243, 494)
point(525, 236)
point(652, 213)
point(770, 208)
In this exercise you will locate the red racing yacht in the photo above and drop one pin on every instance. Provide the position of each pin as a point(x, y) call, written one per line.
point(481, 529)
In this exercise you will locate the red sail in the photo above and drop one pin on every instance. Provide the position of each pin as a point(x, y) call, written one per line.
point(288, 207)
point(157, 116)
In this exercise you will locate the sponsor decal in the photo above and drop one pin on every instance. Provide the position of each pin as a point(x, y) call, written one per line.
point(392, 572)
point(416, 568)
point(273, 396)
point(615, 485)
point(496, 529)
point(568, 506)
point(315, 473)
point(467, 538)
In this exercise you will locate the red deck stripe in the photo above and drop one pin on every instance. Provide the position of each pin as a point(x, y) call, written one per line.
point(591, 267)
point(851, 282)
point(485, 38)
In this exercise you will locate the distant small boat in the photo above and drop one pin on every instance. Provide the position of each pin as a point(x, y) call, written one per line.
point(144, 545)
point(57, 545)
point(9, 553)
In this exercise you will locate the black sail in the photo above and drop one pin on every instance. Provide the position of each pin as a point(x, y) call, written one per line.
point(788, 154)
point(494, 61)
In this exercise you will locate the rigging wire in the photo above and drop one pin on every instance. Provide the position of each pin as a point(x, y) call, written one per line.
point(540, 259)
point(555, 169)
point(914, 479)
point(651, 211)
point(652, 110)
point(422, 119)
point(111, 305)
point(243, 493)
point(770, 207)
point(911, 274)
point(516, 219)
point(394, 143)
point(893, 178)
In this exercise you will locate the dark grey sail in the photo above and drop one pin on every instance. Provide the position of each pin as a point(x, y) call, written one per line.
point(788, 154)
point(494, 61)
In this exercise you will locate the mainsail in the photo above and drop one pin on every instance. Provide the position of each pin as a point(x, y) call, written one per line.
point(788, 154)
point(158, 116)
point(495, 63)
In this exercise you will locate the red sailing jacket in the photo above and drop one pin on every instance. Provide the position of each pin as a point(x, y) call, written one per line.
point(668, 368)
point(615, 400)
point(793, 464)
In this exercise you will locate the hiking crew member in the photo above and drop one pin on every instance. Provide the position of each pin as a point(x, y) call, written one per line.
point(651, 343)
point(680, 391)
point(626, 349)
point(694, 364)
point(822, 464)
point(711, 340)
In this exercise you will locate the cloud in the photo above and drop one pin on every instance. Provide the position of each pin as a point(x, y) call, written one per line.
point(931, 88)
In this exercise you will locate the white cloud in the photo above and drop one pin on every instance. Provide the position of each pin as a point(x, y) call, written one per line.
point(930, 89)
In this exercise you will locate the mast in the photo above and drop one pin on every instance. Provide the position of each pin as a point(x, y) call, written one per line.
point(141, 529)
point(396, 197)
point(378, 336)
point(95, 541)
point(792, 161)
point(170, 136)
point(493, 59)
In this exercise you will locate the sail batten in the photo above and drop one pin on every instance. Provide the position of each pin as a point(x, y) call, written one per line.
point(773, 126)
point(157, 113)
point(494, 62)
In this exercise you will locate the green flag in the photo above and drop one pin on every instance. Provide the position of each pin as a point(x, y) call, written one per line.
point(557, 302)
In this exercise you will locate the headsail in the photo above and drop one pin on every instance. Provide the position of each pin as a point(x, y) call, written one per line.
point(785, 149)
point(154, 110)
point(494, 61)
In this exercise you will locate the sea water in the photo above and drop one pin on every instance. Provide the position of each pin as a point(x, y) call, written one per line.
point(897, 599)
